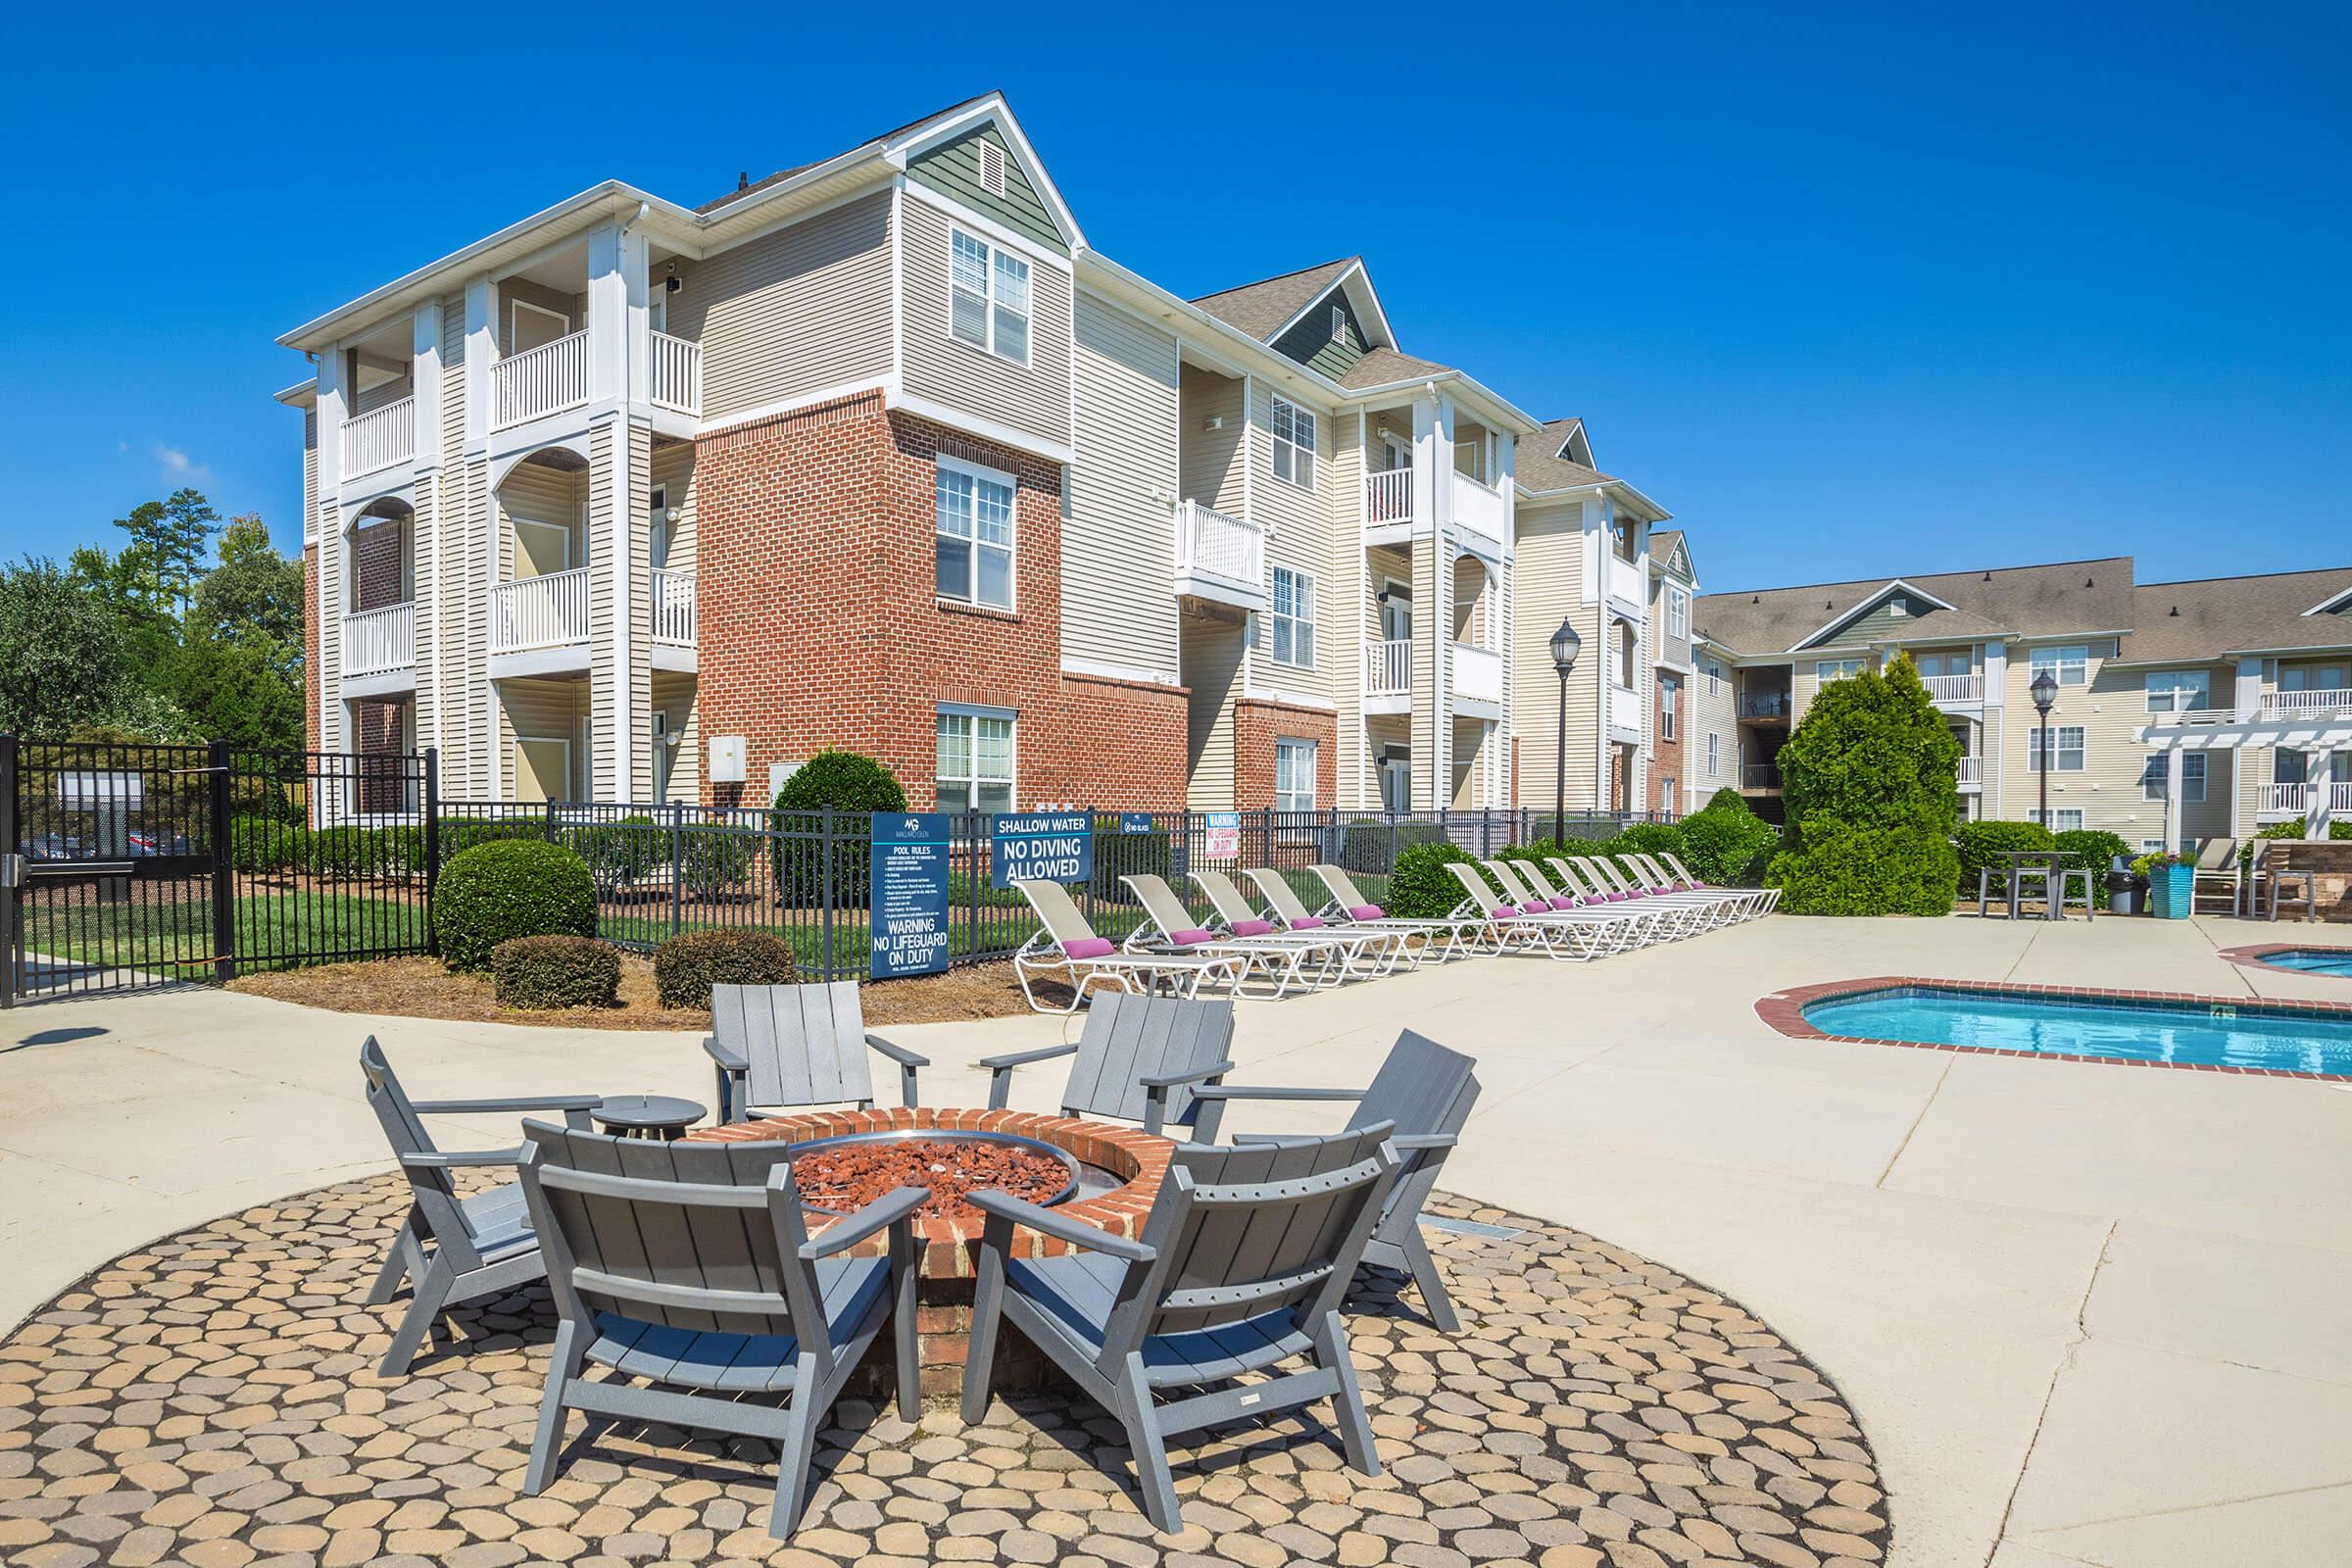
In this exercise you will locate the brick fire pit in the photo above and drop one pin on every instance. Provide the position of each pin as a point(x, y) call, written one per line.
point(1136, 1161)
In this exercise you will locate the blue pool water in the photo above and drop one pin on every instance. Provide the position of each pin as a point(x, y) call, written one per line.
point(2313, 960)
point(2128, 1029)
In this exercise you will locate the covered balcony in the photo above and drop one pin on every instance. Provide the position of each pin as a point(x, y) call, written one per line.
point(379, 425)
point(539, 615)
point(1220, 558)
point(379, 618)
point(1387, 676)
point(550, 318)
point(1954, 691)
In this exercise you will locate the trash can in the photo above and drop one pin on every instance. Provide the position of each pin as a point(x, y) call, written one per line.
point(2123, 888)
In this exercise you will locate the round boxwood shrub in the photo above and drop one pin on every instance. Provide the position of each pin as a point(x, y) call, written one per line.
point(1421, 888)
point(1726, 843)
point(510, 888)
point(1870, 780)
point(689, 964)
point(543, 972)
point(258, 844)
point(848, 783)
point(1653, 838)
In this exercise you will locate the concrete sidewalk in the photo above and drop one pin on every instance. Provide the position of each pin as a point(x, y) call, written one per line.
point(2086, 1314)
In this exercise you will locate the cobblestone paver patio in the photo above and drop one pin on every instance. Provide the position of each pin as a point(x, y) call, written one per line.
point(210, 1400)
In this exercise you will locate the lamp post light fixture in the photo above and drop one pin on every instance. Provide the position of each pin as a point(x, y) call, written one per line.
point(1565, 644)
point(2044, 691)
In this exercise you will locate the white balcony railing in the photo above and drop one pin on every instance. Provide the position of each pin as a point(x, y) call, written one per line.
point(1478, 507)
point(672, 603)
point(1477, 673)
point(1388, 498)
point(540, 381)
point(544, 612)
point(2294, 799)
point(1625, 579)
point(677, 374)
point(378, 641)
point(1972, 772)
point(1759, 776)
point(1388, 668)
point(1220, 548)
point(2297, 705)
point(379, 438)
point(1954, 688)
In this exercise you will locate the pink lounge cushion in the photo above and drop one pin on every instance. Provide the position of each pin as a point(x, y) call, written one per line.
point(1617, 897)
point(1251, 928)
point(1505, 913)
point(1367, 911)
point(1186, 939)
point(1563, 903)
point(1306, 922)
point(1090, 947)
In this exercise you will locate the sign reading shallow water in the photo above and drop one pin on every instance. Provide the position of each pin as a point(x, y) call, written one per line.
point(909, 931)
point(1056, 846)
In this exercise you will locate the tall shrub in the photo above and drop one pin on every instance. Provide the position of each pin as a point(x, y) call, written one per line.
point(1987, 842)
point(848, 783)
point(1421, 888)
point(1869, 779)
point(1726, 843)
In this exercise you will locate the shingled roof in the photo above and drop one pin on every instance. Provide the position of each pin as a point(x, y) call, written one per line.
point(2207, 617)
point(1261, 309)
point(2068, 596)
point(1541, 468)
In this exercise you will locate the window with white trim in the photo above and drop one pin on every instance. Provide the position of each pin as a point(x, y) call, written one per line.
point(1714, 679)
point(1825, 671)
point(1294, 775)
point(2066, 747)
point(974, 520)
point(2068, 819)
point(1293, 430)
point(1714, 753)
point(1678, 615)
point(2192, 776)
point(2068, 664)
point(1670, 691)
point(1291, 621)
point(987, 296)
point(2179, 691)
point(975, 760)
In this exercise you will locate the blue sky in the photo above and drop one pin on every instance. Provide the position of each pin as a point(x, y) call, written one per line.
point(1850, 291)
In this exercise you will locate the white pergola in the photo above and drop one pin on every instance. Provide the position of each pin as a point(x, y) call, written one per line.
point(2320, 733)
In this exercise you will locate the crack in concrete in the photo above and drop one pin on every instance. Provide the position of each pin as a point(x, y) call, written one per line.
point(2066, 1362)
point(2205, 1507)
point(1926, 1106)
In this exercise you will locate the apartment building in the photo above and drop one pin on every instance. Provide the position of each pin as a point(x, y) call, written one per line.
point(2183, 711)
point(635, 499)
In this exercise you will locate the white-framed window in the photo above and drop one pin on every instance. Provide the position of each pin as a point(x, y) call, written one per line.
point(987, 296)
point(1294, 443)
point(1714, 754)
point(2192, 776)
point(1825, 671)
point(1291, 622)
point(1670, 692)
point(533, 326)
point(1294, 775)
point(2066, 745)
point(973, 511)
point(1678, 615)
point(2152, 846)
point(2066, 819)
point(1714, 679)
point(975, 759)
point(2179, 691)
point(2068, 664)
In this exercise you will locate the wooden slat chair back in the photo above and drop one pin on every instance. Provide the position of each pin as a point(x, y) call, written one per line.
point(786, 1047)
point(690, 1267)
point(432, 1189)
point(1139, 1059)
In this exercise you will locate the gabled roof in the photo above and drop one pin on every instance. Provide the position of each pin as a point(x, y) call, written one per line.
point(1383, 367)
point(1265, 308)
point(1671, 553)
point(2089, 597)
point(2210, 618)
point(1543, 463)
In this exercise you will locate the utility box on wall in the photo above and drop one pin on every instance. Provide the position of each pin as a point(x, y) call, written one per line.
point(729, 759)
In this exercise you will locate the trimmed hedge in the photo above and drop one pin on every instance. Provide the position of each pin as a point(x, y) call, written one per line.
point(1421, 888)
point(1726, 843)
point(1987, 842)
point(717, 860)
point(847, 782)
point(689, 964)
point(1866, 870)
point(620, 853)
point(495, 892)
point(1869, 779)
point(548, 972)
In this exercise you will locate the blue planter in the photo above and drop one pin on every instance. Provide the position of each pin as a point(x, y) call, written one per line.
point(2172, 889)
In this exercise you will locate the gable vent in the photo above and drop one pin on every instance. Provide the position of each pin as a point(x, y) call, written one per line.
point(991, 169)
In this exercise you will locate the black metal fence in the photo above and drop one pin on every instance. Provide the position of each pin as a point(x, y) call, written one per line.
point(142, 865)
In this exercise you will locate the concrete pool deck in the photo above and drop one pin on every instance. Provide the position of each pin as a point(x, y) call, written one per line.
point(2086, 1315)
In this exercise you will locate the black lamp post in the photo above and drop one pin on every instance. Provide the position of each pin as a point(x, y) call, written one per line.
point(2046, 696)
point(1564, 646)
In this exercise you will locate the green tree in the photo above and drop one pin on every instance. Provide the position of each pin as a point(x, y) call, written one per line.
point(171, 534)
point(1870, 782)
point(253, 590)
point(65, 660)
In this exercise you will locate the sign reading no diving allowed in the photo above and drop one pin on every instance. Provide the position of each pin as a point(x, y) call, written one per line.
point(1055, 846)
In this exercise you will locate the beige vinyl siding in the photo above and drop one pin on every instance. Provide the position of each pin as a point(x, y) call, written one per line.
point(674, 693)
point(549, 710)
point(674, 472)
point(1349, 591)
point(1298, 525)
point(1548, 587)
point(793, 312)
point(573, 308)
point(1118, 548)
point(385, 393)
point(635, 532)
point(1032, 398)
point(2111, 707)
point(1211, 460)
point(1707, 709)
point(952, 169)
point(1213, 666)
point(536, 493)
point(469, 568)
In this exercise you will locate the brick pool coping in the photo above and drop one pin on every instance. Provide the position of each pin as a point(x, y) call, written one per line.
point(1784, 1011)
point(2258, 955)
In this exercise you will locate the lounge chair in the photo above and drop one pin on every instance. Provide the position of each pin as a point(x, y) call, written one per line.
point(1065, 944)
point(1348, 902)
point(1284, 904)
point(1583, 878)
point(1424, 1092)
point(1705, 911)
point(785, 1048)
point(1360, 953)
point(1766, 898)
point(1240, 1269)
point(2218, 866)
point(1139, 1059)
point(1524, 882)
point(1559, 934)
point(666, 1268)
point(1736, 903)
point(451, 1249)
point(1284, 963)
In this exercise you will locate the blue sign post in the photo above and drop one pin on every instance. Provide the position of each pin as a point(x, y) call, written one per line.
point(909, 921)
point(1052, 846)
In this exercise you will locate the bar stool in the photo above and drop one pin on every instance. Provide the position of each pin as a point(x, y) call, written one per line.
point(2068, 877)
point(2037, 873)
point(1984, 876)
point(2279, 877)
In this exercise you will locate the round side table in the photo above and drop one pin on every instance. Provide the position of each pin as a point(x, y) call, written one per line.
point(657, 1116)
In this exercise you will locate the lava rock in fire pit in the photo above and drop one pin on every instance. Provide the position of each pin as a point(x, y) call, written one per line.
point(848, 1176)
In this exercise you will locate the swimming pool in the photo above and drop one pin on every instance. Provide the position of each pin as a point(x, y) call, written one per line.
point(2303, 961)
point(2115, 1026)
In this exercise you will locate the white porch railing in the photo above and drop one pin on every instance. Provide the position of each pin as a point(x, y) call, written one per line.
point(677, 374)
point(1759, 776)
point(2294, 799)
point(1220, 546)
point(381, 437)
point(1625, 579)
point(1954, 688)
point(1477, 673)
point(378, 641)
point(540, 381)
point(672, 602)
point(1388, 668)
point(2317, 700)
point(1477, 506)
point(1972, 772)
point(1388, 497)
point(543, 611)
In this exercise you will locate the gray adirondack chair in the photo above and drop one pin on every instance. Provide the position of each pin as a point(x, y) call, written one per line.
point(1240, 1269)
point(452, 1250)
point(1139, 1059)
point(1424, 1092)
point(686, 1271)
point(777, 1048)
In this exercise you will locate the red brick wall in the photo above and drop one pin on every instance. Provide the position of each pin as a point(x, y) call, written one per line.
point(311, 676)
point(1256, 725)
point(1666, 755)
point(819, 624)
point(375, 556)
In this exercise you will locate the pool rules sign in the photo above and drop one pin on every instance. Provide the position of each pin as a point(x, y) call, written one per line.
point(910, 894)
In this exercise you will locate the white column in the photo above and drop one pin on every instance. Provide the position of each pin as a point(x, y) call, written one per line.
point(2172, 796)
point(427, 366)
point(333, 399)
point(2249, 700)
point(2323, 793)
point(481, 352)
point(616, 374)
